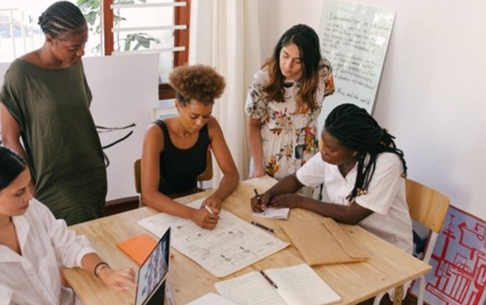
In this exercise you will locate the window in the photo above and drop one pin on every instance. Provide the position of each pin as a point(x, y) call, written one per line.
point(149, 26)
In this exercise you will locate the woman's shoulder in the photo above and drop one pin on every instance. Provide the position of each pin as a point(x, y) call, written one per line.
point(389, 160)
point(261, 76)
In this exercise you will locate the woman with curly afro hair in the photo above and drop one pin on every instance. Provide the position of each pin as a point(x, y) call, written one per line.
point(174, 149)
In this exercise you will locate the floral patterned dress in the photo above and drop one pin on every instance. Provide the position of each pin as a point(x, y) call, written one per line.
point(289, 134)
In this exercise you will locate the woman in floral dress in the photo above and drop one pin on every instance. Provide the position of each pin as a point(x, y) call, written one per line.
point(284, 103)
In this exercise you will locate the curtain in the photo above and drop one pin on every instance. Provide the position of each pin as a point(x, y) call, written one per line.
point(225, 35)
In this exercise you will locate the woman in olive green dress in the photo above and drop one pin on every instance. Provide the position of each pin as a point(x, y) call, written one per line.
point(45, 103)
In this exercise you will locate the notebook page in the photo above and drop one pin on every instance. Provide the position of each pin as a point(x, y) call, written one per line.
point(273, 213)
point(212, 299)
point(300, 285)
point(249, 289)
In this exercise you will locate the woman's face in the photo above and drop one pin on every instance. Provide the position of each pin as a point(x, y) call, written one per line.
point(14, 199)
point(194, 115)
point(290, 62)
point(68, 48)
point(333, 152)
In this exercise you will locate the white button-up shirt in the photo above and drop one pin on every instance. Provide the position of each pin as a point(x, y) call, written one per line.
point(46, 244)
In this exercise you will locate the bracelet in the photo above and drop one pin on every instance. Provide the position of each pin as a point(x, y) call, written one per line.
point(100, 266)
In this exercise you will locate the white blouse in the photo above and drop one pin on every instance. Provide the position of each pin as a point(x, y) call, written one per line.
point(385, 197)
point(47, 245)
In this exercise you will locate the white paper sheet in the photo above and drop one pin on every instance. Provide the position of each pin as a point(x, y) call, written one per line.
point(273, 213)
point(233, 245)
point(212, 299)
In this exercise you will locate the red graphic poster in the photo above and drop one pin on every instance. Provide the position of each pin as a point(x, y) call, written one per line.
point(458, 276)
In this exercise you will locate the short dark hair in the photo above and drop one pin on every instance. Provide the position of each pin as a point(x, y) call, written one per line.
point(62, 17)
point(11, 165)
point(356, 129)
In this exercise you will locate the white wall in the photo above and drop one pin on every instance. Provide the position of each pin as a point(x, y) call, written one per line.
point(431, 95)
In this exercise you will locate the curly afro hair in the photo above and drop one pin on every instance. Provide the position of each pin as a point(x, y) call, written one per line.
point(198, 82)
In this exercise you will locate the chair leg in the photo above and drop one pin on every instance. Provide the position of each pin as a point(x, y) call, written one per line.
point(420, 297)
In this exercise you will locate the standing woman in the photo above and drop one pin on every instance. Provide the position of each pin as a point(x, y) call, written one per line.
point(174, 149)
point(284, 103)
point(45, 102)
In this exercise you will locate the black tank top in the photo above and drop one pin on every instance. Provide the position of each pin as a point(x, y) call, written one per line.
point(179, 168)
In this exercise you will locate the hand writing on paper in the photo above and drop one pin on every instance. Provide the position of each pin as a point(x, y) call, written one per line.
point(204, 218)
point(259, 205)
point(285, 201)
point(215, 203)
point(120, 280)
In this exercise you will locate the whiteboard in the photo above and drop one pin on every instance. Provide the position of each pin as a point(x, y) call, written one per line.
point(354, 38)
point(125, 91)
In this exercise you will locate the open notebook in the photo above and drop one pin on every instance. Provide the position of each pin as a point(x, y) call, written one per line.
point(296, 285)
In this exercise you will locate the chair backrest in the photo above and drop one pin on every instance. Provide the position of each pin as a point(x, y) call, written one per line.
point(205, 176)
point(426, 205)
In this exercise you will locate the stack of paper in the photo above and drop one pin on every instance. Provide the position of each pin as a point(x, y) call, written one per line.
point(273, 213)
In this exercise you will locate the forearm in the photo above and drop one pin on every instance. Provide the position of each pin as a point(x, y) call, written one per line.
point(287, 185)
point(255, 142)
point(164, 204)
point(341, 213)
point(89, 262)
point(227, 185)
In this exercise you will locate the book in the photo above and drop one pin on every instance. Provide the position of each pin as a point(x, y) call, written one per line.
point(138, 248)
point(296, 285)
point(273, 213)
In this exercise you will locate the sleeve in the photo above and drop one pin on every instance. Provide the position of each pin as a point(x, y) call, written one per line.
point(69, 248)
point(256, 105)
point(312, 172)
point(384, 186)
point(5, 296)
point(89, 95)
point(11, 94)
point(326, 76)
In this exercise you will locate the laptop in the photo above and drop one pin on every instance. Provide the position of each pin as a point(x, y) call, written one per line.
point(153, 271)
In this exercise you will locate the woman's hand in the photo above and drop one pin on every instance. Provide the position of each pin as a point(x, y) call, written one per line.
point(120, 280)
point(259, 206)
point(213, 202)
point(204, 218)
point(258, 171)
point(286, 201)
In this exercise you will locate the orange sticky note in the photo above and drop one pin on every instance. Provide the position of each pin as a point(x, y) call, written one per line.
point(138, 247)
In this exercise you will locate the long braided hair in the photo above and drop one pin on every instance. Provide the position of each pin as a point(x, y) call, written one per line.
point(62, 17)
point(354, 128)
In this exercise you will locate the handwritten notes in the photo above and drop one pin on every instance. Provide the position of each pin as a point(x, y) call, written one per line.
point(231, 246)
point(355, 39)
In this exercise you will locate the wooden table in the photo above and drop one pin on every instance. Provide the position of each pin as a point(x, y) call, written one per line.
point(387, 266)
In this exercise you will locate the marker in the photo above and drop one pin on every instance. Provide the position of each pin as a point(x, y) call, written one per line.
point(210, 211)
point(258, 197)
point(263, 227)
point(268, 279)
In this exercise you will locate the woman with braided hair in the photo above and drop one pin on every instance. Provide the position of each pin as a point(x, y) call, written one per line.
point(45, 101)
point(362, 175)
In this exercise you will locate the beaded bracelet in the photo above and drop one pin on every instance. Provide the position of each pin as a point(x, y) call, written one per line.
point(100, 266)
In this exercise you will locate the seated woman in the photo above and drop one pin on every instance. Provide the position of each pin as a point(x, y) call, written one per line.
point(34, 245)
point(362, 176)
point(174, 149)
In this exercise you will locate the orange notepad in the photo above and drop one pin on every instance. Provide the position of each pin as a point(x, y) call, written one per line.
point(138, 247)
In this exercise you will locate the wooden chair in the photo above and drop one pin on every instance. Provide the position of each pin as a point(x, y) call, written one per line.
point(429, 208)
point(205, 176)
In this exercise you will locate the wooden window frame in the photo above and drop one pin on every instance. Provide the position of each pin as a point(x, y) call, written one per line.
point(182, 15)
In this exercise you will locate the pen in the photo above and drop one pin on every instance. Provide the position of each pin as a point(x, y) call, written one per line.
point(262, 226)
point(258, 197)
point(268, 279)
point(210, 211)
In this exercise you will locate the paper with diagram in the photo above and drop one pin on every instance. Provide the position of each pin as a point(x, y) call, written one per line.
point(233, 245)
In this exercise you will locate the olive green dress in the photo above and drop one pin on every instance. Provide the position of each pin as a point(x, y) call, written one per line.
point(60, 138)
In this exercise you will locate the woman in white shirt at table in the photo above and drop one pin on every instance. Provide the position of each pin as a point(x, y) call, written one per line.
point(34, 246)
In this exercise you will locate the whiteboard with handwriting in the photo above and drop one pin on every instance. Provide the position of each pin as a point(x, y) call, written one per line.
point(355, 39)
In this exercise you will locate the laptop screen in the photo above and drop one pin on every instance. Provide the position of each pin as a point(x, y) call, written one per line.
point(154, 270)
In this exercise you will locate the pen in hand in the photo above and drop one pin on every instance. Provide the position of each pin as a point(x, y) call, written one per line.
point(210, 211)
point(258, 197)
point(262, 226)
